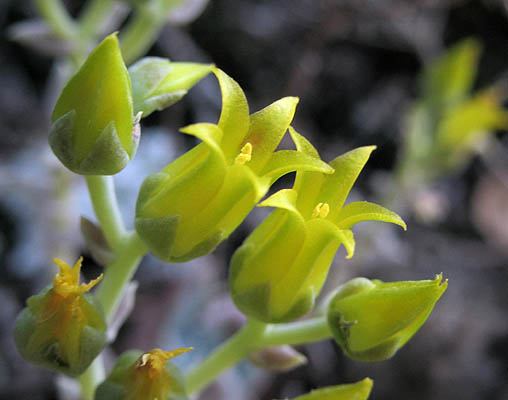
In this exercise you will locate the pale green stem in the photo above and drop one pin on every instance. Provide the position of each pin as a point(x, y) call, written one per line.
point(91, 378)
point(102, 194)
point(140, 33)
point(144, 28)
point(225, 356)
point(253, 336)
point(56, 16)
point(128, 249)
point(93, 16)
point(118, 274)
point(116, 277)
point(310, 330)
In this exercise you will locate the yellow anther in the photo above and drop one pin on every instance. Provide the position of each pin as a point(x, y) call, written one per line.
point(245, 154)
point(155, 360)
point(325, 209)
point(316, 210)
point(321, 210)
point(66, 282)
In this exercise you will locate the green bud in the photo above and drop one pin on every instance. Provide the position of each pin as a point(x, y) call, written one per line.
point(281, 267)
point(63, 327)
point(93, 131)
point(353, 391)
point(371, 319)
point(194, 203)
point(144, 376)
point(158, 83)
point(278, 359)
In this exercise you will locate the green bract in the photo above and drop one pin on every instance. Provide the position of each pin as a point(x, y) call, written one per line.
point(144, 376)
point(194, 203)
point(371, 320)
point(158, 83)
point(63, 327)
point(281, 267)
point(93, 131)
point(353, 391)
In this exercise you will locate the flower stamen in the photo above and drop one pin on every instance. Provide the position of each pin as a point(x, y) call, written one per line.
point(321, 210)
point(245, 154)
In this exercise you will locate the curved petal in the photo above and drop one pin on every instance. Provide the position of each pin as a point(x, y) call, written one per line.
point(267, 127)
point(285, 161)
point(336, 187)
point(234, 117)
point(360, 211)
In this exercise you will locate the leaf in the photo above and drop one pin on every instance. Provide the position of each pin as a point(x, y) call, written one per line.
point(158, 83)
point(360, 211)
point(96, 242)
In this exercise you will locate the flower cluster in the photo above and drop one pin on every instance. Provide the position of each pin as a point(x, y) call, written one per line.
point(187, 209)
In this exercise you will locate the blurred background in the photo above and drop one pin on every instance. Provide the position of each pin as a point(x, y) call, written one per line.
point(357, 67)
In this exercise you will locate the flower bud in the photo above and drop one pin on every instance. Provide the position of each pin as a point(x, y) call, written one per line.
point(158, 83)
point(371, 319)
point(93, 130)
point(194, 203)
point(63, 327)
point(352, 391)
point(144, 376)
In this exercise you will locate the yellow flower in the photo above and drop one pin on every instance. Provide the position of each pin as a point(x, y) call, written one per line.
point(195, 203)
point(281, 267)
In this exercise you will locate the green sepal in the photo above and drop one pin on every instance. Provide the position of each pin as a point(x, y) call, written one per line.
point(352, 391)
point(371, 320)
point(201, 249)
point(99, 98)
point(158, 234)
point(158, 83)
point(106, 157)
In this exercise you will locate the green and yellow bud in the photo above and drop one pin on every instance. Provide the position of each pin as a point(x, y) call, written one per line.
point(94, 131)
point(371, 319)
point(158, 83)
point(194, 203)
point(63, 327)
point(281, 267)
point(352, 391)
point(144, 376)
